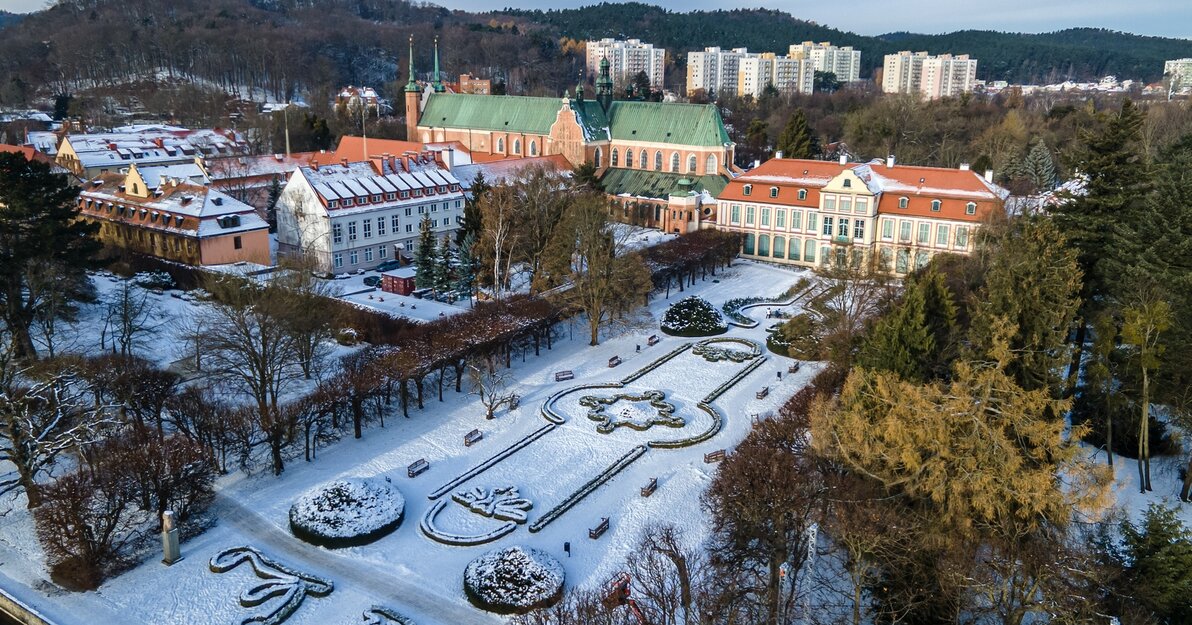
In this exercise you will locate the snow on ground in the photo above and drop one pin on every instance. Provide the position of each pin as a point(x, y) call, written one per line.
point(405, 570)
point(353, 289)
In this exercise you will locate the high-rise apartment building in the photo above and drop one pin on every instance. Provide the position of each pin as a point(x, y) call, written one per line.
point(740, 72)
point(628, 58)
point(932, 77)
point(845, 62)
point(1180, 71)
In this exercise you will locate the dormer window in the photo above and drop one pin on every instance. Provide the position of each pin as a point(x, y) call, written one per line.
point(848, 184)
point(935, 206)
point(442, 189)
point(362, 199)
point(802, 194)
point(970, 208)
point(376, 198)
point(405, 195)
point(332, 203)
point(417, 192)
point(389, 197)
point(773, 191)
point(747, 189)
point(348, 202)
point(903, 202)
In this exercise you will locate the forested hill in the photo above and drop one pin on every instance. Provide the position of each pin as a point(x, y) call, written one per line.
point(1077, 53)
point(7, 19)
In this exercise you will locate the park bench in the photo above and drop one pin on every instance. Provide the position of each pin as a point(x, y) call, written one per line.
point(614, 361)
point(714, 456)
point(653, 340)
point(418, 467)
point(650, 487)
point(600, 528)
point(761, 394)
point(564, 375)
point(794, 368)
point(473, 437)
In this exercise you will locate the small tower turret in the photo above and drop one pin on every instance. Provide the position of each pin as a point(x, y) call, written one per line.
point(412, 100)
point(438, 81)
point(604, 85)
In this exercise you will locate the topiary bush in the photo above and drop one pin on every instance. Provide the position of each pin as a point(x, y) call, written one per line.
point(693, 316)
point(347, 512)
point(514, 580)
point(801, 337)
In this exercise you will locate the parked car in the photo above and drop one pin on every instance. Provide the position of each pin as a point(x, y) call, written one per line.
point(373, 281)
point(388, 265)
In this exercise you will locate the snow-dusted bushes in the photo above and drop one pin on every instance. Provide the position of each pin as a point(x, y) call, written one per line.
point(347, 512)
point(514, 580)
point(693, 316)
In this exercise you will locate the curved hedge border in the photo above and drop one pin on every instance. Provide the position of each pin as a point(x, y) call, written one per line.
point(587, 488)
point(717, 423)
point(494, 459)
point(657, 363)
point(548, 406)
point(720, 390)
point(380, 615)
point(281, 581)
point(427, 525)
point(665, 411)
point(710, 353)
point(733, 307)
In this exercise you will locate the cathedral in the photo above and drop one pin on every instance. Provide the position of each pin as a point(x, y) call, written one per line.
point(662, 162)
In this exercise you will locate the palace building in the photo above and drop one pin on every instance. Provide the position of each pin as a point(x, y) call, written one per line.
point(809, 212)
point(645, 153)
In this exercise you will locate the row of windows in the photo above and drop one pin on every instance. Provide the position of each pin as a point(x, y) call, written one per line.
point(382, 253)
point(132, 212)
point(862, 204)
point(364, 200)
point(794, 248)
point(780, 215)
point(748, 190)
point(394, 224)
point(921, 234)
point(709, 163)
point(517, 147)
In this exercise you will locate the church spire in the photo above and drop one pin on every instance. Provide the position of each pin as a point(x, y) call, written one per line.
point(411, 86)
point(438, 82)
point(604, 85)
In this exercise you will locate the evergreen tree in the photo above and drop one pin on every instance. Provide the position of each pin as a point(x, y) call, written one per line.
point(471, 223)
point(465, 265)
point(939, 311)
point(901, 342)
point(1038, 167)
point(756, 137)
point(40, 233)
point(1158, 557)
point(425, 256)
point(584, 176)
point(271, 207)
point(796, 140)
point(442, 267)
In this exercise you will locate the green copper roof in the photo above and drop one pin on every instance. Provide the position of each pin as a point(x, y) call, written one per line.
point(592, 119)
point(655, 184)
point(668, 122)
point(491, 112)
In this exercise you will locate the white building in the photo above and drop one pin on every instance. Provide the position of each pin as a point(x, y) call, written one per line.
point(932, 77)
point(626, 59)
point(356, 215)
point(714, 70)
point(845, 62)
point(1180, 71)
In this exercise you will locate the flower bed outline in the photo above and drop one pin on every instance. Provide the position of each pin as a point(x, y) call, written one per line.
point(431, 531)
point(291, 585)
point(733, 307)
point(664, 411)
point(710, 352)
point(381, 615)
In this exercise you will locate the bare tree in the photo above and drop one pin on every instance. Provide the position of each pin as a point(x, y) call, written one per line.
point(491, 385)
point(308, 318)
point(666, 575)
point(500, 237)
point(128, 319)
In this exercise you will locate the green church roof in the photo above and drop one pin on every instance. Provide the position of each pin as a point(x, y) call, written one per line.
point(656, 184)
point(491, 112)
point(667, 122)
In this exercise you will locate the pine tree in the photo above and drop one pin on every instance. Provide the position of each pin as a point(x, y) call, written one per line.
point(271, 206)
point(1158, 557)
point(465, 265)
point(939, 311)
point(796, 140)
point(901, 342)
point(471, 223)
point(1039, 167)
point(442, 268)
point(425, 255)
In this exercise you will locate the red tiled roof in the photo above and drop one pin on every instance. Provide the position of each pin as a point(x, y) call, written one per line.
point(789, 175)
point(30, 153)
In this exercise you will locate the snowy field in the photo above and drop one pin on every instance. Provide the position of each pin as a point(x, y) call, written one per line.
point(407, 571)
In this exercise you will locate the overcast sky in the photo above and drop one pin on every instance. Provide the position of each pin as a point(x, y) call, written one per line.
point(1170, 18)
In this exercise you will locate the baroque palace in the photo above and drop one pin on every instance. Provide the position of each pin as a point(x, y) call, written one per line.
point(663, 162)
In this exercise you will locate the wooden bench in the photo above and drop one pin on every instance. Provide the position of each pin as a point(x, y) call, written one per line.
point(564, 375)
point(614, 361)
point(714, 456)
point(650, 487)
point(473, 437)
point(794, 368)
point(418, 467)
point(653, 340)
point(600, 529)
point(761, 394)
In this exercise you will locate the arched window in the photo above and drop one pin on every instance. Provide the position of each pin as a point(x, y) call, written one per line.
point(970, 208)
point(596, 158)
point(691, 164)
point(747, 189)
point(903, 202)
point(848, 183)
point(533, 148)
point(809, 250)
point(658, 161)
point(710, 166)
point(794, 249)
point(749, 243)
point(517, 146)
point(500, 144)
point(802, 194)
point(773, 191)
point(935, 206)
point(779, 247)
point(614, 162)
point(645, 159)
point(136, 189)
point(675, 162)
point(763, 245)
point(629, 158)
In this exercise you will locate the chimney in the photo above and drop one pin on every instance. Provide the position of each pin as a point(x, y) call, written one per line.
point(988, 175)
point(778, 154)
point(344, 162)
point(756, 163)
point(159, 142)
point(890, 161)
point(964, 167)
point(844, 159)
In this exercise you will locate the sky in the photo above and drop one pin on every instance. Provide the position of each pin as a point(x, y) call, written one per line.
point(1168, 18)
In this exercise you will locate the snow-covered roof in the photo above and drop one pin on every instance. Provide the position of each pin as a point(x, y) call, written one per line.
point(153, 144)
point(176, 205)
point(362, 180)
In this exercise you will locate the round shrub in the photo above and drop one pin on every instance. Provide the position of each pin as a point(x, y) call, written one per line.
point(514, 580)
point(347, 512)
point(693, 316)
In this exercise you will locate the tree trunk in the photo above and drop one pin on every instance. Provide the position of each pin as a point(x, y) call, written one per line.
point(22, 342)
point(1074, 366)
point(1146, 418)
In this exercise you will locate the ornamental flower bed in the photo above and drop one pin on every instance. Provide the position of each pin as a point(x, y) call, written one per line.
point(693, 316)
point(347, 512)
point(514, 580)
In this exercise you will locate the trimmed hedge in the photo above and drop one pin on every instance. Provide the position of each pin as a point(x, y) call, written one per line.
point(693, 316)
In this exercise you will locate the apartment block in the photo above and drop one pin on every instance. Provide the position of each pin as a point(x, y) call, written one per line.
point(844, 61)
point(1180, 71)
point(932, 77)
point(628, 58)
point(740, 72)
point(714, 70)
